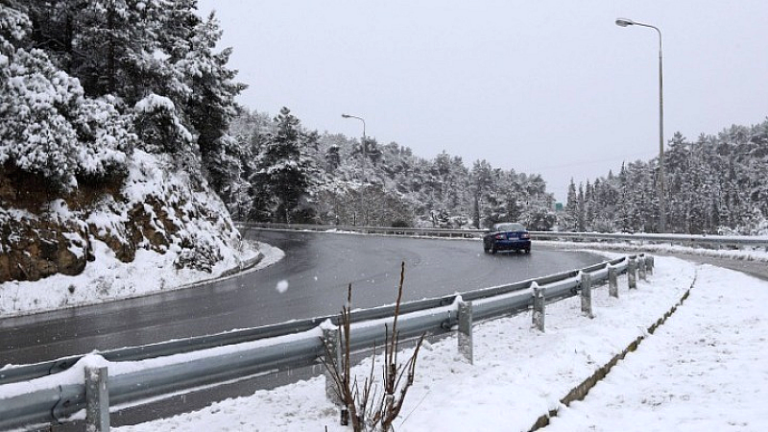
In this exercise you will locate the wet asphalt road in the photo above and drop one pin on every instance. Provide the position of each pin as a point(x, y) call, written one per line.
point(317, 269)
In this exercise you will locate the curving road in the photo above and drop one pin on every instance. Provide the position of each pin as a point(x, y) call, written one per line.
point(315, 274)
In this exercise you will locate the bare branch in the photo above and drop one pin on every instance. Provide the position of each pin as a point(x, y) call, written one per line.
point(367, 407)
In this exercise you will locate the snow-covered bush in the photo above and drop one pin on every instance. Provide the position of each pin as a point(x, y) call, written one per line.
point(159, 127)
point(14, 26)
point(105, 134)
point(36, 102)
point(48, 126)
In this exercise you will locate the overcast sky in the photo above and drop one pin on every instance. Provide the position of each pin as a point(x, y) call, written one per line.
point(548, 87)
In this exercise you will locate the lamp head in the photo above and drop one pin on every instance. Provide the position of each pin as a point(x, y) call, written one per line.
point(346, 115)
point(624, 22)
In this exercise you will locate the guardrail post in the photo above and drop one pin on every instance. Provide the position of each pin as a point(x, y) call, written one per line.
point(649, 261)
point(96, 399)
point(613, 281)
point(465, 331)
point(632, 273)
point(331, 340)
point(539, 306)
point(586, 294)
point(641, 269)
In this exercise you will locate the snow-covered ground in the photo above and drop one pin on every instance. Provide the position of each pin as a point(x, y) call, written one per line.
point(108, 279)
point(705, 368)
point(746, 254)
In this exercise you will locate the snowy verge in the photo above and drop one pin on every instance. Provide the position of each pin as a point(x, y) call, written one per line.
point(705, 369)
point(109, 279)
point(734, 254)
point(519, 373)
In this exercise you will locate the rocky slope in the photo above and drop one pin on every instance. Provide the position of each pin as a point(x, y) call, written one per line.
point(151, 207)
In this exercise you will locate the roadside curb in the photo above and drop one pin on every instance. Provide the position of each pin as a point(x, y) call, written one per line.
point(580, 392)
point(245, 265)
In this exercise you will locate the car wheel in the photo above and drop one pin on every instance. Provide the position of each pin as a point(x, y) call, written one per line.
point(528, 250)
point(493, 249)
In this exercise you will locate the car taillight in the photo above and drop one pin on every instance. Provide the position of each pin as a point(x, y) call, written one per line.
point(500, 237)
point(525, 236)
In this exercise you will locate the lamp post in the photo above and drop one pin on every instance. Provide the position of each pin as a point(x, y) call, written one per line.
point(625, 22)
point(365, 156)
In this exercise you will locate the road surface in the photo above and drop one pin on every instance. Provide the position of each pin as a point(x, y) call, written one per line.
point(310, 281)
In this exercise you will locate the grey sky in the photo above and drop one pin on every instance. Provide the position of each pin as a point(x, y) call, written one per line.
point(549, 87)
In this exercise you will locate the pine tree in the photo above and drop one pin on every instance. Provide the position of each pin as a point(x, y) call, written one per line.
point(482, 179)
point(211, 104)
point(571, 214)
point(50, 128)
point(332, 158)
point(282, 172)
point(581, 223)
point(37, 101)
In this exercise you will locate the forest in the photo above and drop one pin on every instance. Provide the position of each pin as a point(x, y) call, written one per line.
point(714, 185)
point(293, 175)
point(85, 83)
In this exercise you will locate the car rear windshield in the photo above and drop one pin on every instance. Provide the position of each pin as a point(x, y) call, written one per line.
point(509, 227)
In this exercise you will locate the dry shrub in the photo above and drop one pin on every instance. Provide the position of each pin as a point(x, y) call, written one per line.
point(367, 405)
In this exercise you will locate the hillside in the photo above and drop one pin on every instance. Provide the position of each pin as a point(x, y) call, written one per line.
point(155, 220)
point(113, 142)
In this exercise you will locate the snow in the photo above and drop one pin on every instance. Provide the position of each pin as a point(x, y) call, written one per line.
point(153, 102)
point(746, 254)
point(705, 368)
point(282, 286)
point(109, 279)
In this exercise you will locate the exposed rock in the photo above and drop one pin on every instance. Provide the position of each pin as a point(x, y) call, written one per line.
point(148, 208)
point(33, 249)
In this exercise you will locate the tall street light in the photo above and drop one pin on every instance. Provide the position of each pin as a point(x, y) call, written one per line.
point(365, 156)
point(624, 22)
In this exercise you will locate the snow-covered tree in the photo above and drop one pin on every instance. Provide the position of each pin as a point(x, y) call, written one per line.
point(211, 104)
point(105, 135)
point(281, 178)
point(37, 102)
point(159, 127)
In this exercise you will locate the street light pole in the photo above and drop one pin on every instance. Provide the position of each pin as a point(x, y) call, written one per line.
point(624, 22)
point(365, 180)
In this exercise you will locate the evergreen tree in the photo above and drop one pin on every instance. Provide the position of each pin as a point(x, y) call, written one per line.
point(282, 172)
point(571, 214)
point(482, 179)
point(581, 223)
point(332, 158)
point(211, 105)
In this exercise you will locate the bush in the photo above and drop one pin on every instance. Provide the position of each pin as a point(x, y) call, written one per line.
point(400, 224)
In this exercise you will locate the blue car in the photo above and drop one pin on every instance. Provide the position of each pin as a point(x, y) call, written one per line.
point(507, 236)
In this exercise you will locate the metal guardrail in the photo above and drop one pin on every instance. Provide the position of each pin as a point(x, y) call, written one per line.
point(431, 232)
point(258, 350)
point(179, 346)
point(715, 241)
